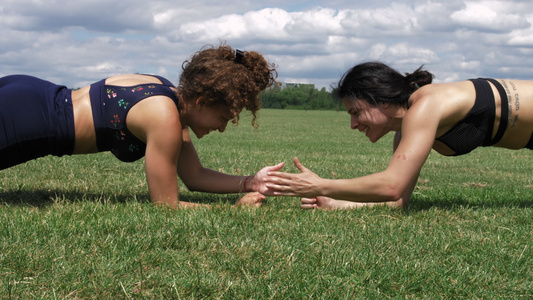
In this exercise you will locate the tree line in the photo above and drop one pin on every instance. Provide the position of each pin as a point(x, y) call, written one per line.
point(299, 96)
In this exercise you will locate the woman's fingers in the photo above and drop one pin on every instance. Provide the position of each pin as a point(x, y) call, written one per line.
point(308, 203)
point(276, 167)
point(279, 190)
point(277, 175)
point(299, 165)
point(308, 200)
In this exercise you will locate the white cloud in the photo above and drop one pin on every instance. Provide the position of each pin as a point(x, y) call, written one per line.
point(522, 37)
point(489, 16)
point(394, 20)
point(76, 42)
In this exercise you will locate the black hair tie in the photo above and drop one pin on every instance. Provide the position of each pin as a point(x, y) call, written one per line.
point(239, 54)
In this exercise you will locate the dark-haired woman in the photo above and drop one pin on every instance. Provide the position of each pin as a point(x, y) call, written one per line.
point(136, 116)
point(451, 118)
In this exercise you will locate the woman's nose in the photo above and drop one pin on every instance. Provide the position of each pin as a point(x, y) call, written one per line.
point(354, 122)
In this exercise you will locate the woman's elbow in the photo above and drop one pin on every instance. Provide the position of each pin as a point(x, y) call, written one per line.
point(393, 193)
point(191, 186)
point(191, 181)
point(399, 204)
point(398, 198)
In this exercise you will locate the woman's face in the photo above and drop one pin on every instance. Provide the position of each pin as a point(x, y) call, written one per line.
point(368, 118)
point(210, 118)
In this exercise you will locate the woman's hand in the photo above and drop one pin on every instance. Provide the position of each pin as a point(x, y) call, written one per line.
point(304, 184)
point(254, 199)
point(259, 180)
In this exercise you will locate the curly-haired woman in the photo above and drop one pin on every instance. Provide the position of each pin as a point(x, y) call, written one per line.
point(136, 116)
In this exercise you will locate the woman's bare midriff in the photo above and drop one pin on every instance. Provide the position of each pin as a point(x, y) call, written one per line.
point(85, 136)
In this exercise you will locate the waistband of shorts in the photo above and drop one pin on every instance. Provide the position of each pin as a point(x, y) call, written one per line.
point(65, 134)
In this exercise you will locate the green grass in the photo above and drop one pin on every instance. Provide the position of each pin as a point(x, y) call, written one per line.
point(83, 228)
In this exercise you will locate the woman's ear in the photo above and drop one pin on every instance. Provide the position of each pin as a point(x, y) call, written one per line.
point(200, 102)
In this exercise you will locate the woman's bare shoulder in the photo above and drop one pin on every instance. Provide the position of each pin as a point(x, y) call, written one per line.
point(131, 79)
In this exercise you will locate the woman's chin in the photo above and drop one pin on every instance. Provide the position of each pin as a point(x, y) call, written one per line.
point(374, 139)
point(198, 134)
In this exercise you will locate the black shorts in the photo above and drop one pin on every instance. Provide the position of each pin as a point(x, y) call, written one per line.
point(36, 119)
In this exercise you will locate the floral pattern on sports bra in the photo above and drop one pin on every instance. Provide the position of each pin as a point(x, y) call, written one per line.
point(116, 101)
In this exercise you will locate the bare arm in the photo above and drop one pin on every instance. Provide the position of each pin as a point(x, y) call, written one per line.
point(156, 121)
point(406, 196)
point(394, 184)
point(198, 178)
point(164, 140)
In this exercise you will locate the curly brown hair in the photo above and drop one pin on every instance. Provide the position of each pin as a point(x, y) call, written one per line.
point(218, 75)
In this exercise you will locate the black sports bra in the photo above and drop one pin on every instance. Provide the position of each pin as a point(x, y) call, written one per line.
point(475, 129)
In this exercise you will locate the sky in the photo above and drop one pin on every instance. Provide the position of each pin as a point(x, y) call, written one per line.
point(77, 42)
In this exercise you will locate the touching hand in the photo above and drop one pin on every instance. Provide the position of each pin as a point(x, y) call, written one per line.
point(304, 184)
point(259, 180)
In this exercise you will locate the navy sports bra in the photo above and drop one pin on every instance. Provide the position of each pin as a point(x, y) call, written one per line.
point(475, 129)
point(110, 106)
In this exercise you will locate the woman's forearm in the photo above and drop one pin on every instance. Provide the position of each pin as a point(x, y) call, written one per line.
point(371, 188)
point(212, 181)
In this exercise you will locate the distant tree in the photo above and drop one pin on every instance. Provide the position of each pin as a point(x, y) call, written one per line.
point(304, 96)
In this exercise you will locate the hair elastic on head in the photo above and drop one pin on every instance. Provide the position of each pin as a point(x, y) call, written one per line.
point(239, 54)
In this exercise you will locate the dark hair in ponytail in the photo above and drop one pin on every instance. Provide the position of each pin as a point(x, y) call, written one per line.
point(377, 83)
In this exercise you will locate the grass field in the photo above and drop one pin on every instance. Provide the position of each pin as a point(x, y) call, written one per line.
point(82, 227)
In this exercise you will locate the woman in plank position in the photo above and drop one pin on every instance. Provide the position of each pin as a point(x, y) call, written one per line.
point(451, 118)
point(136, 116)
